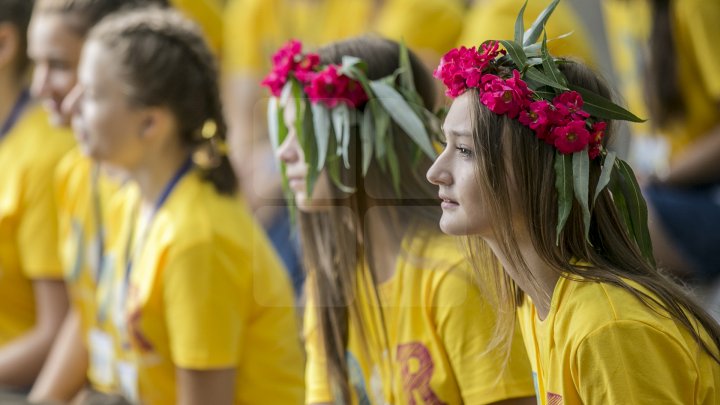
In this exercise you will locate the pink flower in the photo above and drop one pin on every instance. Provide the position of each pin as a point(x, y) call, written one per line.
point(571, 138)
point(569, 104)
point(538, 116)
point(331, 88)
point(596, 136)
point(504, 96)
point(461, 69)
point(289, 59)
point(490, 52)
point(594, 150)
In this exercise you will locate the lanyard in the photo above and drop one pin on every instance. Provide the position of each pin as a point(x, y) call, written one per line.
point(20, 104)
point(130, 256)
point(99, 222)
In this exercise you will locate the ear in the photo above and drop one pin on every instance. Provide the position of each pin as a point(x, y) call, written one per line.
point(9, 43)
point(156, 123)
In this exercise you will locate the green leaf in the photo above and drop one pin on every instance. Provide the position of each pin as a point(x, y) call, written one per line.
point(272, 122)
point(366, 137)
point(564, 187)
point(404, 116)
point(545, 94)
point(520, 25)
point(533, 33)
point(637, 209)
point(407, 80)
point(333, 169)
point(308, 142)
point(394, 165)
point(351, 65)
point(516, 53)
point(620, 203)
point(341, 126)
point(608, 164)
point(321, 122)
point(549, 67)
point(601, 107)
point(540, 77)
point(532, 50)
point(581, 175)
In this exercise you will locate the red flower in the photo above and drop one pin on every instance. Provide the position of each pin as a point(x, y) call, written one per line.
point(331, 88)
point(596, 137)
point(571, 138)
point(287, 60)
point(569, 104)
point(504, 96)
point(462, 68)
point(538, 116)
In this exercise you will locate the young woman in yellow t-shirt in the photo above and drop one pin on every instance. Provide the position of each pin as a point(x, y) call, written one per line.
point(525, 172)
point(201, 307)
point(392, 315)
point(33, 300)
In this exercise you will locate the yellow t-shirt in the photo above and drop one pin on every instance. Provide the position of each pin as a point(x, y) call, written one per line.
point(84, 194)
point(28, 216)
point(206, 291)
point(255, 29)
point(495, 19)
point(696, 29)
point(208, 14)
point(437, 326)
point(600, 345)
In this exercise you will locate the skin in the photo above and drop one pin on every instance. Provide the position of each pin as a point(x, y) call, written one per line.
point(463, 213)
point(22, 358)
point(146, 144)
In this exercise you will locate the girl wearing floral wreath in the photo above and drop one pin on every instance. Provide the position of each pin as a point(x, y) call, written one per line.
point(525, 174)
point(392, 315)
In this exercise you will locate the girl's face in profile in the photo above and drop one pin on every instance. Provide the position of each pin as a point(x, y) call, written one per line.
point(291, 154)
point(454, 172)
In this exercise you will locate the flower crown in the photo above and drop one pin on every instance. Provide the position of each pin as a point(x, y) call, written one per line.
point(332, 100)
point(523, 81)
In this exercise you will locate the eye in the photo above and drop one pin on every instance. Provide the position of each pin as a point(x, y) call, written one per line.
point(465, 152)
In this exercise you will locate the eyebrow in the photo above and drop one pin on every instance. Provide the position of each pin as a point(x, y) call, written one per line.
point(456, 134)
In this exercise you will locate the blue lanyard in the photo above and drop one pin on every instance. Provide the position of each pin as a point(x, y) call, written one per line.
point(158, 204)
point(20, 104)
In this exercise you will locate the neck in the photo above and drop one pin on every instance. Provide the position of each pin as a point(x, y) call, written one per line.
point(154, 176)
point(540, 284)
point(10, 89)
point(383, 242)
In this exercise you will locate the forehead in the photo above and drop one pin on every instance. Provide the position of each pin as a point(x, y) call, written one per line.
point(457, 120)
point(96, 65)
point(49, 36)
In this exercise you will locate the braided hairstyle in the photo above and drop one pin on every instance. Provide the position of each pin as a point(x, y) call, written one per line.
point(164, 60)
point(82, 15)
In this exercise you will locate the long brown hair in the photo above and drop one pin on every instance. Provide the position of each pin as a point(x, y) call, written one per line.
point(164, 61)
point(662, 82)
point(334, 242)
point(613, 256)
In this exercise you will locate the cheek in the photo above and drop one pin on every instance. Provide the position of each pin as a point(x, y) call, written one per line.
point(62, 82)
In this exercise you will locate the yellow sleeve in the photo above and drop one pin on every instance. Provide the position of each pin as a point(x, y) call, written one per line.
point(466, 322)
point(317, 389)
point(633, 363)
point(245, 25)
point(704, 32)
point(206, 307)
point(38, 229)
point(208, 14)
point(422, 24)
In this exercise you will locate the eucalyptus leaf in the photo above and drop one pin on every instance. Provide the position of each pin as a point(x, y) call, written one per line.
point(520, 25)
point(601, 107)
point(540, 77)
point(366, 137)
point(515, 52)
point(339, 116)
point(581, 174)
point(273, 122)
point(333, 169)
point(533, 33)
point(636, 208)
point(407, 79)
point(549, 67)
point(608, 164)
point(404, 116)
point(618, 197)
point(321, 122)
point(564, 187)
point(393, 165)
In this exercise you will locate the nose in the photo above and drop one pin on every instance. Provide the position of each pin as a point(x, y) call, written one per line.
point(438, 173)
point(288, 151)
point(39, 85)
point(71, 103)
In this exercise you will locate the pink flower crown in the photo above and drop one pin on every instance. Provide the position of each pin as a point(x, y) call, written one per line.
point(560, 122)
point(326, 85)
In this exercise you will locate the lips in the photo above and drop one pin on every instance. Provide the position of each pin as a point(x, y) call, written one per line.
point(447, 200)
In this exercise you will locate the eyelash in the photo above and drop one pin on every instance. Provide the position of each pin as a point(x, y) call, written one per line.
point(464, 151)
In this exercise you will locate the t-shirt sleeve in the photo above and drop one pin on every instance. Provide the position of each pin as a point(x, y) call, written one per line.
point(38, 228)
point(317, 389)
point(466, 324)
point(206, 299)
point(627, 362)
point(704, 31)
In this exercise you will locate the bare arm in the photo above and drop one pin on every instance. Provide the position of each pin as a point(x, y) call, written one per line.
point(198, 387)
point(22, 359)
point(698, 164)
point(64, 372)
